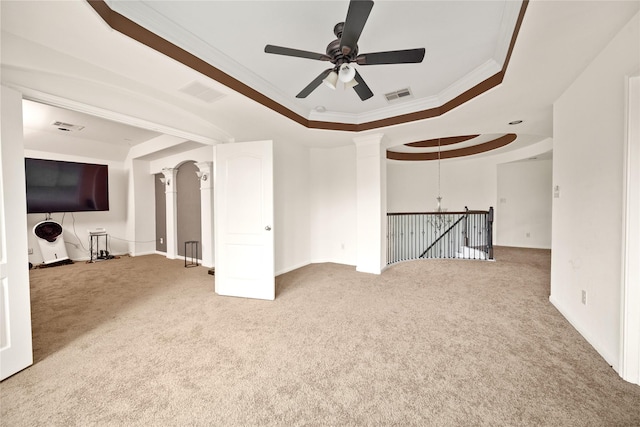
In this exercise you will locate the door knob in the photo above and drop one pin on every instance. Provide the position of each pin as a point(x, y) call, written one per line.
point(267, 228)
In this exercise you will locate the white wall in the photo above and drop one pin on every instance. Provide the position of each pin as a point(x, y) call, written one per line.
point(413, 186)
point(589, 132)
point(291, 186)
point(471, 182)
point(333, 205)
point(524, 201)
point(202, 154)
point(141, 218)
point(77, 224)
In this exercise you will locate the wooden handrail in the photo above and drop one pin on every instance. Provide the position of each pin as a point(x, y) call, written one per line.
point(410, 232)
point(437, 213)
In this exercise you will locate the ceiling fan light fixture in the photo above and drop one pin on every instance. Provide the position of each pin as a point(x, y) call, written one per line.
point(352, 83)
point(347, 73)
point(331, 79)
point(343, 54)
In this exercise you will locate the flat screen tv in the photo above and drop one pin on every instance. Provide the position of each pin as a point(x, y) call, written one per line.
point(57, 186)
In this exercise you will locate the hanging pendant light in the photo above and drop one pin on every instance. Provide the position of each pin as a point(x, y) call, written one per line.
point(439, 198)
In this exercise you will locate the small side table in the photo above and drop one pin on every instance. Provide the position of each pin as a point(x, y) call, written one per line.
point(94, 247)
point(191, 261)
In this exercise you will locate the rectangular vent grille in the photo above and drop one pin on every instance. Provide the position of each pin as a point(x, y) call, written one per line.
point(67, 126)
point(202, 92)
point(399, 95)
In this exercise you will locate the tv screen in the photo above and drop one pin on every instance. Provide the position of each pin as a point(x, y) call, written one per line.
point(57, 186)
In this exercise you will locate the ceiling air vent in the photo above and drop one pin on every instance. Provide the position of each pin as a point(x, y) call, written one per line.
point(67, 127)
point(399, 95)
point(202, 92)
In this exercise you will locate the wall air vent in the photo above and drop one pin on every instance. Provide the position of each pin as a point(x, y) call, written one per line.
point(67, 127)
point(398, 95)
point(202, 92)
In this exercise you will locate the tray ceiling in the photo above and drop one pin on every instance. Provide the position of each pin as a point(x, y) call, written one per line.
point(466, 43)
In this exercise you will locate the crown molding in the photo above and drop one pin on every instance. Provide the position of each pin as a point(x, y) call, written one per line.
point(452, 97)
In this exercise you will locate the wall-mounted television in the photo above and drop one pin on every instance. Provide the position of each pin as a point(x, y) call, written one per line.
point(58, 186)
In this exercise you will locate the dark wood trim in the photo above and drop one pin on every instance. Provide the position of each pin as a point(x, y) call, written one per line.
point(152, 40)
point(460, 152)
point(436, 213)
point(131, 29)
point(441, 141)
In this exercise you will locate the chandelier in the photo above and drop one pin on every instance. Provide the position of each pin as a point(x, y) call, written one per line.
point(439, 198)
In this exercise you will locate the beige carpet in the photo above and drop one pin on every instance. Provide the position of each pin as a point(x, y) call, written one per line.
point(146, 342)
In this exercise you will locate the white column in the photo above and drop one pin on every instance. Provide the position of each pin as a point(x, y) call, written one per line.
point(172, 211)
point(371, 184)
point(206, 212)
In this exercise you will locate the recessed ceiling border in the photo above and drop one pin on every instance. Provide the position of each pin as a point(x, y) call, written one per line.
point(135, 31)
point(450, 154)
point(441, 141)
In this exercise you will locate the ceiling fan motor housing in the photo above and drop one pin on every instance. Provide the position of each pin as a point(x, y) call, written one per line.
point(336, 55)
point(344, 50)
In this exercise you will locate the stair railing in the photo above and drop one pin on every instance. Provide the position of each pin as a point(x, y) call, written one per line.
point(466, 234)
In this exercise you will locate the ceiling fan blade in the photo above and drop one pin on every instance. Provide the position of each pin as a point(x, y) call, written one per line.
point(314, 84)
point(361, 88)
point(357, 16)
point(278, 50)
point(408, 56)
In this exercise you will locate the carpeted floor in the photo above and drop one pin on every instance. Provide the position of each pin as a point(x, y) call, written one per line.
point(146, 342)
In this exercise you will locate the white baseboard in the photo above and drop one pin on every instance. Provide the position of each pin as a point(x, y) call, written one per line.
point(328, 260)
point(164, 254)
point(314, 261)
point(605, 354)
point(291, 268)
point(143, 253)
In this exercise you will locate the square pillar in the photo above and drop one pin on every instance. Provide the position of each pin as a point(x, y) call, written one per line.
point(371, 185)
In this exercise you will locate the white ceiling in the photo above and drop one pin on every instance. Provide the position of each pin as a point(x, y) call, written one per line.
point(42, 118)
point(466, 42)
point(62, 53)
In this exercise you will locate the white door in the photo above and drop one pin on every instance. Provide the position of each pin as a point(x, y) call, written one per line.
point(15, 316)
point(243, 212)
point(15, 302)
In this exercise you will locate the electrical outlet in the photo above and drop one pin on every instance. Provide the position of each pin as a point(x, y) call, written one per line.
point(584, 297)
point(342, 246)
point(30, 251)
point(161, 240)
point(528, 234)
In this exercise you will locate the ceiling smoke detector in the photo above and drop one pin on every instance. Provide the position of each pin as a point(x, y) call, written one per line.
point(67, 127)
point(399, 95)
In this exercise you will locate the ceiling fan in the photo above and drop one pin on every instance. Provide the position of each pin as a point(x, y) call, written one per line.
point(343, 51)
